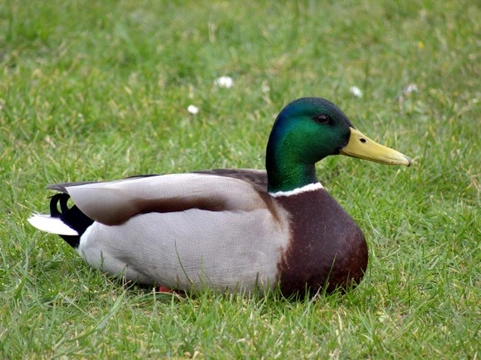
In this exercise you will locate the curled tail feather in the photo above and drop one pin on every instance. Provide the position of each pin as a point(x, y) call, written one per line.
point(69, 223)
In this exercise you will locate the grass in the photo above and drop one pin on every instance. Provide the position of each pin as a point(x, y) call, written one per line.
point(99, 90)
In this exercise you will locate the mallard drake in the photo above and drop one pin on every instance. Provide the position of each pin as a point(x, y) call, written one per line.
point(229, 230)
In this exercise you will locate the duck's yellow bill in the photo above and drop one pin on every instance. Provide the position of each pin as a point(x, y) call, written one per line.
point(362, 147)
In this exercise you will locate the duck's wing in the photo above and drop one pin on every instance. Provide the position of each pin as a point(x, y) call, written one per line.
point(115, 202)
point(257, 177)
point(62, 187)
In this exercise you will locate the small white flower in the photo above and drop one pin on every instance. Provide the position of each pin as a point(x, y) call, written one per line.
point(224, 82)
point(192, 109)
point(355, 91)
point(265, 87)
point(410, 89)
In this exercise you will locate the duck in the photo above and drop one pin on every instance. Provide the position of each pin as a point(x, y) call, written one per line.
point(229, 230)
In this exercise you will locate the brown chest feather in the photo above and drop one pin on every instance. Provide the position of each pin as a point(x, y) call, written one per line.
point(327, 250)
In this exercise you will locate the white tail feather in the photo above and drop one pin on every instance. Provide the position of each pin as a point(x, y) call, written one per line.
point(51, 225)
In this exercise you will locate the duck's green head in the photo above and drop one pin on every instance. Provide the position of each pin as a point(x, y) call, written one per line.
point(306, 131)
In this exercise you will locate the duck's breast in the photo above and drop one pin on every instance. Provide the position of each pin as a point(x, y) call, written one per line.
point(327, 250)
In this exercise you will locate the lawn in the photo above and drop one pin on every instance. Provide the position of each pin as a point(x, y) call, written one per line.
point(100, 90)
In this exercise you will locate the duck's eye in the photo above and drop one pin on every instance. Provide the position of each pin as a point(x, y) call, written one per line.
point(321, 118)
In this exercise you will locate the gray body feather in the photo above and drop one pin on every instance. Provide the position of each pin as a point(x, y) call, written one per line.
point(221, 233)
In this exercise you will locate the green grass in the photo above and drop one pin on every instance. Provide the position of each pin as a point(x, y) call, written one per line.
point(99, 90)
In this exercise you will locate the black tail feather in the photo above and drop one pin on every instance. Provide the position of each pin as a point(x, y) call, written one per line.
point(73, 217)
